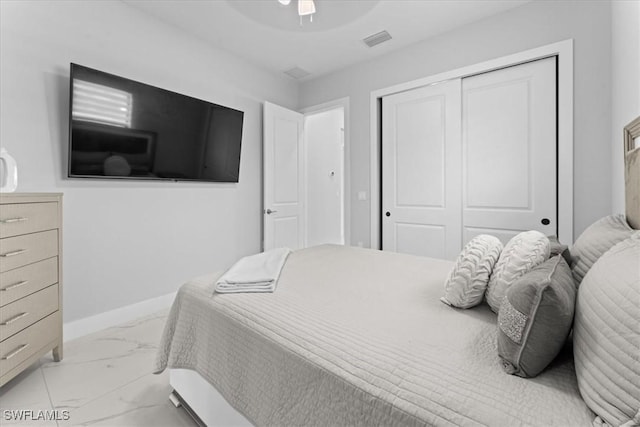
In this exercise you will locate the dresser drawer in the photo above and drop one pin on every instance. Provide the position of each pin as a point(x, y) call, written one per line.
point(23, 281)
point(19, 314)
point(23, 218)
point(22, 250)
point(29, 341)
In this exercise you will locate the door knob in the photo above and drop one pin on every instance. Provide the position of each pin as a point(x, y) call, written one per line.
point(388, 214)
point(545, 221)
point(269, 211)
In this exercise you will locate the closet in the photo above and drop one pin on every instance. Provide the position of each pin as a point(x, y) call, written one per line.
point(470, 156)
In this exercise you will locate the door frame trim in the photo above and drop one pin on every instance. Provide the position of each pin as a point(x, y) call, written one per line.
point(564, 51)
point(346, 190)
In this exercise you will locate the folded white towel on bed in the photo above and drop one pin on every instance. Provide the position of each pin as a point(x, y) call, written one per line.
point(255, 273)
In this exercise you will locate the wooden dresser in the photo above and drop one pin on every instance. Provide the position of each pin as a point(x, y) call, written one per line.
point(30, 280)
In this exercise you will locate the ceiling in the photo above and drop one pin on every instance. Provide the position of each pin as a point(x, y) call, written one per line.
point(270, 34)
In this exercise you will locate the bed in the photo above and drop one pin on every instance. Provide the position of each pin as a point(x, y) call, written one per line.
point(355, 336)
point(307, 355)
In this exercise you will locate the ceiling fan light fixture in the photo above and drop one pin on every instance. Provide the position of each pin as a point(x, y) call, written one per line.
point(306, 7)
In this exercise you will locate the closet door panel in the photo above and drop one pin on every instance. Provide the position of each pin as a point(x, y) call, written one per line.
point(497, 145)
point(420, 152)
point(420, 239)
point(509, 150)
point(421, 183)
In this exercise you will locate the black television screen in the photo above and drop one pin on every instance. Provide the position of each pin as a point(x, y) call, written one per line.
point(120, 128)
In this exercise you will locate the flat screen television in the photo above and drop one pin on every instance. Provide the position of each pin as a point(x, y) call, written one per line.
point(123, 129)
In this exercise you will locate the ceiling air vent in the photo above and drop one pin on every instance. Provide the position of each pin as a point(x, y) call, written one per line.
point(297, 73)
point(377, 38)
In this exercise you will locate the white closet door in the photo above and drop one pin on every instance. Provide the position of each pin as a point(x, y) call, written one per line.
point(509, 151)
point(421, 171)
point(283, 178)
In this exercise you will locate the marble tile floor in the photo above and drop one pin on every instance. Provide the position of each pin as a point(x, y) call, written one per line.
point(104, 379)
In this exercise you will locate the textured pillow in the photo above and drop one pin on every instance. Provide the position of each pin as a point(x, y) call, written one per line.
point(598, 238)
point(606, 334)
point(469, 277)
point(521, 254)
point(535, 318)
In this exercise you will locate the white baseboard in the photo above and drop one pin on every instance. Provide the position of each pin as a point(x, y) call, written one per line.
point(78, 328)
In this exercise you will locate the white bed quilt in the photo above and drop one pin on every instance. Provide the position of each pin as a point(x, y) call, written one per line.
point(359, 337)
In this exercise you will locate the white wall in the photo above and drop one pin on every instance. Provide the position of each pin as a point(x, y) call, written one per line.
point(531, 25)
point(125, 242)
point(324, 154)
point(625, 85)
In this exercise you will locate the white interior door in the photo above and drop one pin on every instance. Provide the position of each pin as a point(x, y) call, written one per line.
point(421, 171)
point(283, 178)
point(509, 151)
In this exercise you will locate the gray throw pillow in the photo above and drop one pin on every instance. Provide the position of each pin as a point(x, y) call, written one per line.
point(597, 239)
point(535, 318)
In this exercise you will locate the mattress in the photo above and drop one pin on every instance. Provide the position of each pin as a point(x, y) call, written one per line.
point(359, 337)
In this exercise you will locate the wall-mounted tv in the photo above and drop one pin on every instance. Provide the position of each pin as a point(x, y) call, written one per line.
point(120, 128)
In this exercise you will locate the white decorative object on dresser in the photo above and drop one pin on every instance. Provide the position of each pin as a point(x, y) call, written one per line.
point(30, 280)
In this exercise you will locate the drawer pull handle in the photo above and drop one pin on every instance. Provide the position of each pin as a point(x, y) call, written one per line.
point(14, 318)
point(13, 253)
point(14, 352)
point(15, 285)
point(12, 220)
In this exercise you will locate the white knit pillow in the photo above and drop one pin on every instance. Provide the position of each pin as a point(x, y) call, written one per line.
point(523, 252)
point(606, 335)
point(470, 275)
